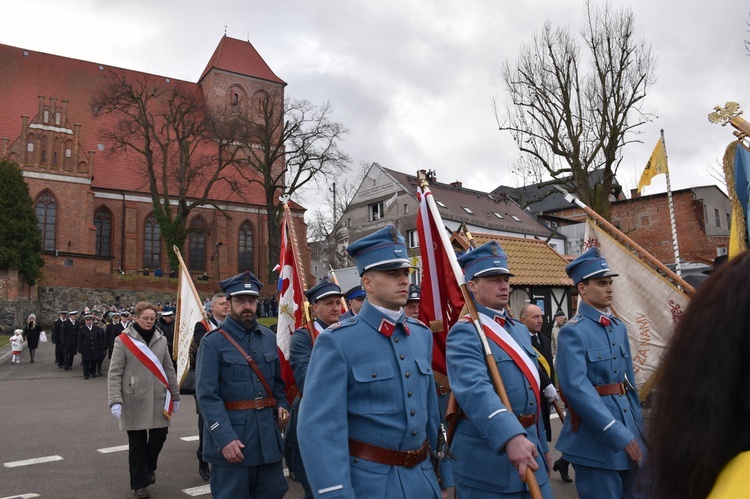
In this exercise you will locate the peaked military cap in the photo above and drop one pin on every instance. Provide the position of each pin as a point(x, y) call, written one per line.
point(63, 312)
point(243, 284)
point(415, 292)
point(589, 264)
point(356, 292)
point(381, 250)
point(488, 259)
point(73, 312)
point(322, 290)
point(168, 313)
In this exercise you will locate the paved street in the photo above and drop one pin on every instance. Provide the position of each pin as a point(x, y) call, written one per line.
point(59, 439)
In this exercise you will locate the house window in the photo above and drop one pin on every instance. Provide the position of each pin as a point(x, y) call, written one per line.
point(103, 224)
point(467, 210)
point(46, 212)
point(57, 118)
point(152, 243)
point(412, 238)
point(729, 220)
point(716, 216)
point(235, 99)
point(197, 244)
point(406, 209)
point(375, 211)
point(46, 116)
point(516, 218)
point(245, 248)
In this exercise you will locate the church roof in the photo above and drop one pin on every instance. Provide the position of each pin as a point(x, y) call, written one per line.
point(241, 58)
point(27, 76)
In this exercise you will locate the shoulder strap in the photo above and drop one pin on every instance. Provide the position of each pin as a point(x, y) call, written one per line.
point(249, 361)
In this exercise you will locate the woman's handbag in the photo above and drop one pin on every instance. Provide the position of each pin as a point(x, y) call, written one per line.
point(188, 385)
point(43, 337)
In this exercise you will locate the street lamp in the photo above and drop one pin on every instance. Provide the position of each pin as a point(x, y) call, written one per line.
point(216, 255)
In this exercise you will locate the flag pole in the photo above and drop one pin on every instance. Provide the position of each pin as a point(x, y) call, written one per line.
point(336, 282)
point(678, 267)
point(497, 381)
point(177, 332)
point(615, 232)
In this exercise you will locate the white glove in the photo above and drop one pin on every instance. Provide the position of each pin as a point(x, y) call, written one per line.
point(116, 410)
point(550, 393)
point(175, 406)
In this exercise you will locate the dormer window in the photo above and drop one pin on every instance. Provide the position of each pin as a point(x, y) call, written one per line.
point(467, 210)
point(516, 218)
point(441, 204)
point(498, 215)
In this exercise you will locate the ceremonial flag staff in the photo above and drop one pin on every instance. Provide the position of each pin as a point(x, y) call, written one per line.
point(489, 358)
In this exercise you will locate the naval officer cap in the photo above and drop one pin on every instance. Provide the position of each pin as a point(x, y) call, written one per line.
point(63, 312)
point(323, 290)
point(486, 260)
point(243, 284)
point(589, 265)
point(168, 313)
point(355, 293)
point(73, 312)
point(415, 293)
point(381, 250)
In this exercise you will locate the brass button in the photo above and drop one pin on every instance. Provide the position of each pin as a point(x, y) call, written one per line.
point(395, 339)
point(614, 357)
point(625, 410)
point(531, 403)
point(408, 394)
point(356, 459)
point(408, 375)
point(413, 413)
point(414, 433)
point(374, 375)
point(613, 343)
point(401, 356)
point(615, 370)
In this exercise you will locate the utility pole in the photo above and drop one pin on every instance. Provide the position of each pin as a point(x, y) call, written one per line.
point(333, 189)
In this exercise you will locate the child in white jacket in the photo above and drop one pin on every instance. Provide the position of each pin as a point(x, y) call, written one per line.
point(16, 345)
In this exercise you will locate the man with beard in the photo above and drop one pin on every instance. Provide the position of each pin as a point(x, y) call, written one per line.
point(326, 306)
point(241, 394)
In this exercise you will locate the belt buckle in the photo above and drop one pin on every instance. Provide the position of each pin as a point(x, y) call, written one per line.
point(409, 453)
point(258, 403)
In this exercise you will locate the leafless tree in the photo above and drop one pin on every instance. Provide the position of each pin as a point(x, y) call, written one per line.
point(181, 154)
point(289, 144)
point(571, 121)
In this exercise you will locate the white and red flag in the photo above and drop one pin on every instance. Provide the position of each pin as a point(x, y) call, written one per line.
point(441, 301)
point(291, 302)
point(188, 312)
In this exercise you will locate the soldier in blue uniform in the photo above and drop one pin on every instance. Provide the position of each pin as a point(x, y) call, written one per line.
point(369, 417)
point(494, 446)
point(602, 429)
point(354, 299)
point(325, 299)
point(243, 405)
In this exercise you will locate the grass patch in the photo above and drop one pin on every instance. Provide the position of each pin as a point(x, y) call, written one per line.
point(4, 340)
point(267, 321)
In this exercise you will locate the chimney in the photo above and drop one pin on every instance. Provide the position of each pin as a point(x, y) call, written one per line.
point(634, 193)
point(64, 117)
point(457, 184)
point(431, 176)
point(40, 112)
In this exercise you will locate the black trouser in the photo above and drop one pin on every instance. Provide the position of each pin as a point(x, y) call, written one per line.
point(69, 360)
point(143, 452)
point(89, 367)
point(59, 354)
point(199, 453)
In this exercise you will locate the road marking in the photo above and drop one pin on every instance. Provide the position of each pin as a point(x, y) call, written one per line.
point(36, 460)
point(190, 439)
point(21, 496)
point(198, 491)
point(109, 450)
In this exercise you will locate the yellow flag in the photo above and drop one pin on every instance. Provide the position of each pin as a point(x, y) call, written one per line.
point(657, 164)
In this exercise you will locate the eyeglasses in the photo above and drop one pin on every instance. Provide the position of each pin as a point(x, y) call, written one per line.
point(245, 300)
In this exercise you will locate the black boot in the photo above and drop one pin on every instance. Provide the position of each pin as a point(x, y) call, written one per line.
point(561, 465)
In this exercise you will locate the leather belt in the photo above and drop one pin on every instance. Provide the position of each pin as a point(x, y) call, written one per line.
point(526, 420)
point(256, 404)
point(603, 391)
point(442, 386)
point(442, 390)
point(407, 459)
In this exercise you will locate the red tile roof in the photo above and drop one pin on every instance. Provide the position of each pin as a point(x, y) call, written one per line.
point(533, 262)
point(25, 75)
point(240, 57)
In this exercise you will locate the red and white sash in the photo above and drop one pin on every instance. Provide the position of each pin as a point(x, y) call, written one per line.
point(504, 340)
point(143, 353)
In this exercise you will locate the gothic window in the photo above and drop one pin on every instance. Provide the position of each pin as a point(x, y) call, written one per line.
point(197, 244)
point(152, 243)
point(57, 118)
point(46, 212)
point(103, 224)
point(30, 149)
point(245, 248)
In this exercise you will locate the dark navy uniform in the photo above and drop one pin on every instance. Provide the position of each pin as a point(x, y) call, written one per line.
point(57, 338)
point(226, 387)
point(595, 370)
point(369, 392)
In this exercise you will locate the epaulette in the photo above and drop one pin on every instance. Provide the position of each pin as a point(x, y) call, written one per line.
point(346, 322)
point(417, 321)
point(574, 320)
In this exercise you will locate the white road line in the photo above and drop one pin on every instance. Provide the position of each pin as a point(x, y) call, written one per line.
point(198, 491)
point(21, 496)
point(190, 439)
point(36, 460)
point(109, 450)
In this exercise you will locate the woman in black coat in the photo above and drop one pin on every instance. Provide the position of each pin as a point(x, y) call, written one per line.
point(31, 332)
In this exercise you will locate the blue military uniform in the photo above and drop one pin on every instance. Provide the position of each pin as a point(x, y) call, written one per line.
point(593, 356)
point(224, 382)
point(299, 358)
point(482, 468)
point(371, 375)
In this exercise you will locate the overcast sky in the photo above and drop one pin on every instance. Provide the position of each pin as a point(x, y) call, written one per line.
point(414, 80)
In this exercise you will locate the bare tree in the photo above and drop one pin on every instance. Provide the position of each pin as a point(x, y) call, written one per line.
point(169, 130)
point(322, 221)
point(288, 145)
point(570, 122)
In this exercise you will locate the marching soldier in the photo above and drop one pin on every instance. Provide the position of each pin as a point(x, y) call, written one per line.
point(325, 299)
point(58, 338)
point(602, 429)
point(70, 339)
point(354, 298)
point(494, 446)
point(88, 345)
point(371, 376)
point(241, 394)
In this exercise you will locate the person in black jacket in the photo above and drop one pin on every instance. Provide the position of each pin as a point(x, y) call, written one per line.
point(31, 332)
point(57, 338)
point(88, 346)
point(113, 330)
point(70, 339)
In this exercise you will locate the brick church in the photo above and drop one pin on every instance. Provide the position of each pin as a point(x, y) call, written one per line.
point(93, 202)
